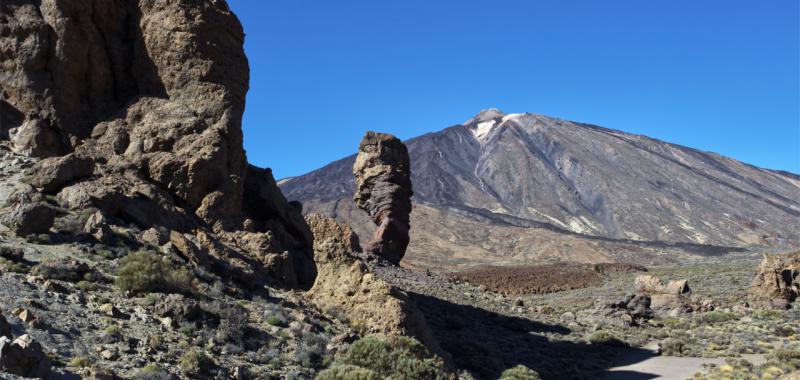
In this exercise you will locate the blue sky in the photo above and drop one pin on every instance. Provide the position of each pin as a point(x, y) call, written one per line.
point(714, 75)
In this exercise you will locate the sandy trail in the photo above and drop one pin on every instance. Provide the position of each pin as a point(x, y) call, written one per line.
point(645, 363)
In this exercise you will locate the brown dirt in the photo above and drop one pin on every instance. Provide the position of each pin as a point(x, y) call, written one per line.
point(538, 279)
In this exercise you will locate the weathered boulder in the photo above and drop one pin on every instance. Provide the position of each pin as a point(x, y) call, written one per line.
point(63, 270)
point(24, 357)
point(55, 172)
point(178, 308)
point(674, 294)
point(345, 284)
point(28, 213)
point(631, 311)
point(383, 189)
point(777, 283)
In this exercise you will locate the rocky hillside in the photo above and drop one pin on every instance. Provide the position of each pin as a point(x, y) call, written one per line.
point(523, 186)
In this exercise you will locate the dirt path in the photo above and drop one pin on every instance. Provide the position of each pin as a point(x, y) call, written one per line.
point(647, 364)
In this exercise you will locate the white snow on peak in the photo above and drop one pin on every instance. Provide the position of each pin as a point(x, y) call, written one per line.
point(511, 116)
point(482, 129)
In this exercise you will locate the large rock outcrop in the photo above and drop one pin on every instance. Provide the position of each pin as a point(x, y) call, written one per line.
point(383, 189)
point(24, 357)
point(139, 105)
point(345, 285)
point(777, 283)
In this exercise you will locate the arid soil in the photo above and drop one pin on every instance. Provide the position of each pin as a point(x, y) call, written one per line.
point(539, 279)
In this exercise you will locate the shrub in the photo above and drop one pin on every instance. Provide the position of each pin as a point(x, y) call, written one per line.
point(152, 372)
point(520, 372)
point(80, 362)
point(155, 341)
point(143, 272)
point(194, 362)
point(787, 357)
point(233, 323)
point(276, 315)
point(715, 316)
point(604, 337)
point(348, 372)
point(393, 357)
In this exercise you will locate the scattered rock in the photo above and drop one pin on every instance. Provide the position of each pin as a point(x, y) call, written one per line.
point(630, 311)
point(568, 317)
point(178, 308)
point(109, 354)
point(777, 283)
point(14, 254)
point(383, 189)
point(63, 270)
point(55, 172)
point(664, 297)
point(28, 214)
point(24, 357)
point(109, 310)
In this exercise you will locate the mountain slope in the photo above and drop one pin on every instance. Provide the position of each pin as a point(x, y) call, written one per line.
point(536, 172)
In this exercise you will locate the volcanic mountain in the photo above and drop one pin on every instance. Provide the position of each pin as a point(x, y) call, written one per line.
point(516, 188)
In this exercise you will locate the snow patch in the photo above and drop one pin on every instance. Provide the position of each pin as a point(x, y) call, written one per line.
point(511, 116)
point(482, 129)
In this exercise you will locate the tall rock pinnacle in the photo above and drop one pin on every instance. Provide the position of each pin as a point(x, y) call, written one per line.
point(383, 189)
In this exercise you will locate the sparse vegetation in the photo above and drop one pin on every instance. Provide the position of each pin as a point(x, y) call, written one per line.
point(152, 372)
point(144, 272)
point(520, 372)
point(194, 362)
point(715, 317)
point(394, 357)
point(604, 337)
point(80, 362)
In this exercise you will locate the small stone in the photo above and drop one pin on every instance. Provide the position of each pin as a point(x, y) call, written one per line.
point(26, 316)
point(109, 310)
point(519, 302)
point(109, 354)
point(568, 316)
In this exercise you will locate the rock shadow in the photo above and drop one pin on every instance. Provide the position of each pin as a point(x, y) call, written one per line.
point(486, 343)
point(10, 117)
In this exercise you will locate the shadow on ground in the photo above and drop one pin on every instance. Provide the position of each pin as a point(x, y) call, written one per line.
point(487, 343)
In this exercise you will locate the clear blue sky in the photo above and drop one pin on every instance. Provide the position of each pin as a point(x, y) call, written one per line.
point(715, 75)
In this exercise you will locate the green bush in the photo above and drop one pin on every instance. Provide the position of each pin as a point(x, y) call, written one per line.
point(80, 362)
point(348, 372)
point(392, 357)
point(520, 372)
point(143, 272)
point(715, 316)
point(604, 337)
point(194, 362)
point(152, 372)
point(787, 357)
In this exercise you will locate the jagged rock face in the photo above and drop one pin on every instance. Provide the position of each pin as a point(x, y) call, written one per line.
point(777, 283)
point(154, 85)
point(532, 177)
point(344, 284)
point(138, 105)
point(383, 189)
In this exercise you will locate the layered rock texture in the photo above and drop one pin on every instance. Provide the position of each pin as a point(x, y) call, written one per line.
point(136, 108)
point(777, 283)
point(345, 286)
point(383, 189)
point(513, 188)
